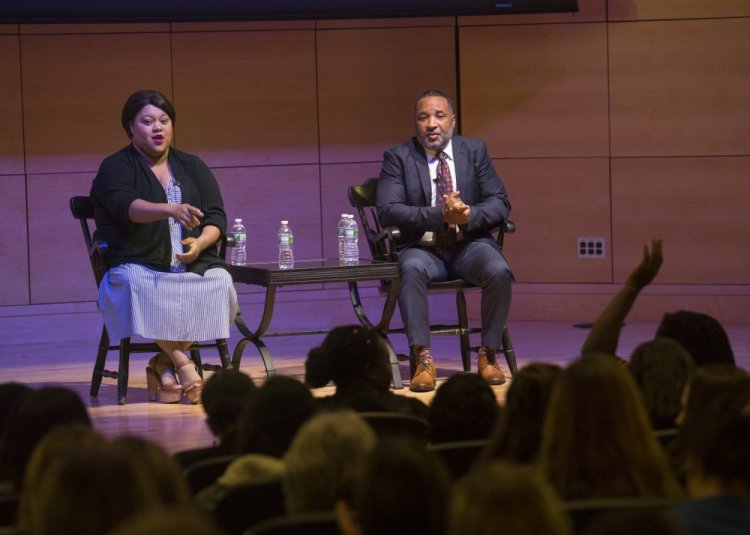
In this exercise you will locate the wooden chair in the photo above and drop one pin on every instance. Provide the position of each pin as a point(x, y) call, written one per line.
point(203, 473)
point(459, 456)
point(247, 505)
point(83, 210)
point(382, 244)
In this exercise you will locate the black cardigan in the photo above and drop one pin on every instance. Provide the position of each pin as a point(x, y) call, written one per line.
point(124, 177)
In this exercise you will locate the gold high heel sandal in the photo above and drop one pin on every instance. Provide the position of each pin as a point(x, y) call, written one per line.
point(191, 387)
point(161, 381)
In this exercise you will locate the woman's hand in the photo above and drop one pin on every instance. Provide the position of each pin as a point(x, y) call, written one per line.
point(186, 215)
point(210, 235)
point(647, 270)
point(194, 248)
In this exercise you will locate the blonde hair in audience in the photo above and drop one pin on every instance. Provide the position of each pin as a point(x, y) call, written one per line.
point(324, 461)
point(499, 497)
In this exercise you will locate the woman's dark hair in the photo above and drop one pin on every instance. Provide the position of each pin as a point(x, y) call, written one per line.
point(661, 368)
point(138, 100)
point(703, 336)
point(345, 356)
point(518, 434)
point(464, 408)
point(40, 411)
point(272, 417)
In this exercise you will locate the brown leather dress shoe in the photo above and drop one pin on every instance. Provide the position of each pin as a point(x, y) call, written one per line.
point(489, 369)
point(423, 374)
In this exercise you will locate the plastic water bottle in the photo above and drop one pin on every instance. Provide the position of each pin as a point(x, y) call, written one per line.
point(239, 252)
point(340, 233)
point(351, 239)
point(286, 240)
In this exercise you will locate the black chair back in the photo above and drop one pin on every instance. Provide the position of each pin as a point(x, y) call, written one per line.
point(298, 524)
point(203, 473)
point(459, 456)
point(245, 506)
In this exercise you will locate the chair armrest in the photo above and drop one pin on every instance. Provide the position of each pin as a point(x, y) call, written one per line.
point(227, 240)
point(385, 241)
point(507, 227)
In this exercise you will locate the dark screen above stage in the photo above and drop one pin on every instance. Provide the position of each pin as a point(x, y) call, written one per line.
point(76, 11)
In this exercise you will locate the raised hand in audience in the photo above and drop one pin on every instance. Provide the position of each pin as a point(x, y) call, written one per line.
point(606, 330)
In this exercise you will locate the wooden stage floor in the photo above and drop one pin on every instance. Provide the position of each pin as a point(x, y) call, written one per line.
point(182, 426)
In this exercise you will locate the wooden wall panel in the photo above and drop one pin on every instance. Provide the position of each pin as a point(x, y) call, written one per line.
point(335, 181)
point(8, 29)
point(263, 196)
point(14, 269)
point(368, 81)
point(246, 98)
point(680, 88)
point(60, 269)
point(74, 87)
point(554, 201)
point(675, 9)
point(11, 133)
point(536, 90)
point(697, 206)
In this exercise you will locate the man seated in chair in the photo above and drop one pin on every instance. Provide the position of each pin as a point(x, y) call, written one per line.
point(444, 195)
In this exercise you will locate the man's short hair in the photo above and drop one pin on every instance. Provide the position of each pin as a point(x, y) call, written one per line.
point(436, 93)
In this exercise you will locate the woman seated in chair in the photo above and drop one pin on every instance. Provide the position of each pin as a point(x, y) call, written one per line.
point(161, 213)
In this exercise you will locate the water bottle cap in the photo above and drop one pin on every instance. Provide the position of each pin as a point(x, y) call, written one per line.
point(284, 222)
point(238, 220)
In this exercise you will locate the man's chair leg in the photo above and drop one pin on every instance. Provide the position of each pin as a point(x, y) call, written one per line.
point(463, 326)
point(510, 354)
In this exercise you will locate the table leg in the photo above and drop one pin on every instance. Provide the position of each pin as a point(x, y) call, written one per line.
point(382, 326)
point(254, 336)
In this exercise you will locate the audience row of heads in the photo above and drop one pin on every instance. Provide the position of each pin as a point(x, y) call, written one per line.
point(579, 432)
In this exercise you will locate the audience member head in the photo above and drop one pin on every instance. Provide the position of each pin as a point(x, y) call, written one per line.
point(60, 442)
point(700, 334)
point(90, 490)
point(39, 412)
point(11, 395)
point(597, 441)
point(351, 356)
point(717, 460)
point(273, 416)
point(716, 398)
point(464, 408)
point(158, 466)
point(501, 497)
point(715, 391)
point(225, 395)
point(661, 369)
point(518, 435)
point(397, 474)
point(325, 460)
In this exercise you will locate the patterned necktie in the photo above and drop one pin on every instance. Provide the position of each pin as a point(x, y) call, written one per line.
point(445, 242)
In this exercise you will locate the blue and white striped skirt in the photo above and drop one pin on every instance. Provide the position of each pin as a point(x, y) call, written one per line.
point(185, 307)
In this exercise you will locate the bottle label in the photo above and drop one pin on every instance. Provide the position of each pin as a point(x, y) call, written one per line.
point(350, 233)
point(286, 240)
point(240, 237)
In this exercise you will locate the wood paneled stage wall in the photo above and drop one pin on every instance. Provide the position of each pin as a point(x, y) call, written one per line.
point(628, 120)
